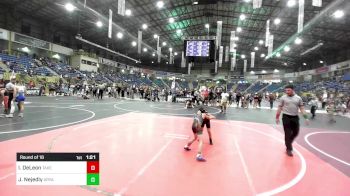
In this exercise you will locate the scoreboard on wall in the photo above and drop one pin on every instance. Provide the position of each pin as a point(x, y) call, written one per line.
point(197, 48)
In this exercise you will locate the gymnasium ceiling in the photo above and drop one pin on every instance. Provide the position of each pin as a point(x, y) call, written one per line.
point(322, 26)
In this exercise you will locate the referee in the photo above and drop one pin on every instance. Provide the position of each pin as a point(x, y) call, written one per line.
point(290, 104)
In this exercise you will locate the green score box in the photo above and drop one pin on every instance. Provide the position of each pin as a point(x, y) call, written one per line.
point(93, 179)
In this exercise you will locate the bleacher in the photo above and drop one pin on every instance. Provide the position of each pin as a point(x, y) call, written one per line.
point(159, 83)
point(274, 87)
point(229, 86)
point(195, 84)
point(23, 65)
point(183, 84)
point(242, 87)
point(146, 81)
point(257, 87)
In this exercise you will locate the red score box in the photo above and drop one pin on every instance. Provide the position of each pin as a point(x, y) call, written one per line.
point(92, 167)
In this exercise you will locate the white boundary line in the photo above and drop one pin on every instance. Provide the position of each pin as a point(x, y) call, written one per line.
point(144, 168)
point(245, 168)
point(6, 176)
point(55, 126)
point(89, 143)
point(167, 108)
point(291, 183)
point(306, 138)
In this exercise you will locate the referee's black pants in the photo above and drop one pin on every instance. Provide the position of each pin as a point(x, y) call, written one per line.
point(291, 129)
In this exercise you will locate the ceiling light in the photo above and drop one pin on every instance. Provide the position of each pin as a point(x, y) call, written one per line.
point(25, 49)
point(242, 17)
point(262, 55)
point(278, 54)
point(69, 7)
point(286, 48)
point(171, 20)
point(284, 63)
point(160, 4)
point(276, 71)
point(153, 54)
point(298, 41)
point(170, 49)
point(243, 56)
point(152, 62)
point(261, 42)
point(234, 45)
point(239, 29)
point(133, 43)
point(252, 72)
point(145, 49)
point(277, 21)
point(195, 3)
point(236, 38)
point(338, 14)
point(247, 1)
point(99, 24)
point(206, 26)
point(144, 26)
point(304, 63)
point(256, 48)
point(119, 35)
point(128, 12)
point(56, 56)
point(164, 43)
point(167, 62)
point(175, 53)
point(263, 71)
point(155, 36)
point(321, 61)
point(291, 3)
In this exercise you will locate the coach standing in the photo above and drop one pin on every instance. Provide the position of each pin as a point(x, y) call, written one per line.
point(290, 104)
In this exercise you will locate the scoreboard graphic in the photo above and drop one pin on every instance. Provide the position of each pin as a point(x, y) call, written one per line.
point(57, 169)
point(198, 48)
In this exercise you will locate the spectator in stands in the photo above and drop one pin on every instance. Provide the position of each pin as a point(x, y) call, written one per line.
point(230, 98)
point(224, 101)
point(324, 102)
point(20, 98)
point(41, 90)
point(251, 99)
point(142, 92)
point(313, 104)
point(260, 97)
point(155, 95)
point(256, 100)
point(271, 99)
point(94, 91)
point(238, 98)
point(166, 95)
point(211, 97)
point(101, 88)
point(331, 109)
point(2, 91)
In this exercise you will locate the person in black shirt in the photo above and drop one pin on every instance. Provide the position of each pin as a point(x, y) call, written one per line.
point(238, 98)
